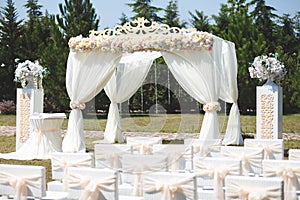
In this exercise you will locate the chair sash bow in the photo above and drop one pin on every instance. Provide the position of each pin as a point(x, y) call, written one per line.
point(92, 188)
point(169, 189)
point(20, 184)
point(234, 190)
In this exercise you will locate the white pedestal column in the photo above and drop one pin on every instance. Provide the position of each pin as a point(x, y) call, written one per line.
point(269, 111)
point(29, 101)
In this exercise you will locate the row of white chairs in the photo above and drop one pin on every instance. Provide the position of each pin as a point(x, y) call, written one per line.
point(225, 182)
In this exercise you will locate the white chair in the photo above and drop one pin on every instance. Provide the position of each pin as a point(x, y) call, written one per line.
point(203, 148)
point(133, 168)
point(273, 148)
point(61, 162)
point(211, 172)
point(169, 185)
point(251, 158)
point(294, 154)
point(109, 155)
point(289, 170)
point(24, 181)
point(245, 187)
point(143, 145)
point(91, 183)
point(176, 153)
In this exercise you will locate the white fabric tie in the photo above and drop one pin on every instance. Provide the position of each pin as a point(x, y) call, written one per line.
point(144, 147)
point(20, 184)
point(289, 175)
point(294, 156)
point(268, 148)
point(218, 173)
point(169, 189)
point(92, 188)
point(253, 158)
point(234, 190)
point(62, 164)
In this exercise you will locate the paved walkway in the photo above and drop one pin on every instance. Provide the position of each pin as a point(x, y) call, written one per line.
point(11, 130)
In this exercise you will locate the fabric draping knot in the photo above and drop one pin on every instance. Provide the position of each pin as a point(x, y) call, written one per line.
point(204, 150)
point(234, 190)
point(137, 169)
point(143, 147)
point(20, 184)
point(212, 106)
point(269, 149)
point(248, 159)
point(39, 135)
point(63, 164)
point(289, 175)
point(169, 188)
point(92, 188)
point(218, 173)
point(80, 106)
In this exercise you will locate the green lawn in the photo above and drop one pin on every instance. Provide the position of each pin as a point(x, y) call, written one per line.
point(170, 123)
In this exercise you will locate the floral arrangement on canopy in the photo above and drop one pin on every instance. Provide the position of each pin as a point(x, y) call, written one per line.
point(30, 74)
point(267, 68)
point(142, 37)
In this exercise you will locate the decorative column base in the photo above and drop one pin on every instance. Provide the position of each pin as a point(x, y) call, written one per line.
point(269, 111)
point(29, 101)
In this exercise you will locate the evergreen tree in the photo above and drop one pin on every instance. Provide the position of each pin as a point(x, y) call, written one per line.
point(200, 21)
point(143, 8)
point(11, 33)
point(123, 19)
point(263, 18)
point(35, 33)
point(77, 17)
point(171, 16)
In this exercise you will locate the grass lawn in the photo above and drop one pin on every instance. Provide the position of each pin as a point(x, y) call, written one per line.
point(171, 123)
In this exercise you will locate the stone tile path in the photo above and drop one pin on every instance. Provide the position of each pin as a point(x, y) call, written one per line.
point(11, 130)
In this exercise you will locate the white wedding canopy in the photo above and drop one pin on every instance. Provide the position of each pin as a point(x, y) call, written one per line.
point(119, 59)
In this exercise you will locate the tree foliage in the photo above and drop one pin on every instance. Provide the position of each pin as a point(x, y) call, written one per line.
point(251, 25)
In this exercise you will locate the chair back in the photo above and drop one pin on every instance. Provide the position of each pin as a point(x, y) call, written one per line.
point(22, 181)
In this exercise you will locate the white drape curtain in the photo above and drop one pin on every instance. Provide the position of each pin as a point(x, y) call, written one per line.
point(127, 79)
point(197, 73)
point(229, 93)
point(86, 75)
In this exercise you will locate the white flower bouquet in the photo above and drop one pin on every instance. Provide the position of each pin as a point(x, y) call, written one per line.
point(30, 73)
point(267, 68)
point(28, 68)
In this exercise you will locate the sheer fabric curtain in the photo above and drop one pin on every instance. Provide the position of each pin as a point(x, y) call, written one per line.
point(197, 74)
point(127, 79)
point(87, 74)
point(229, 93)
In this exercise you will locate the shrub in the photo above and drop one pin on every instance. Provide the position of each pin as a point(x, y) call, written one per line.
point(7, 107)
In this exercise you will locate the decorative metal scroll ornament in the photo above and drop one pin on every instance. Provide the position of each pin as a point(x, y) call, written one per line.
point(141, 35)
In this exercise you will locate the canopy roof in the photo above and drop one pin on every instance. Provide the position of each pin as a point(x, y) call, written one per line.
point(151, 36)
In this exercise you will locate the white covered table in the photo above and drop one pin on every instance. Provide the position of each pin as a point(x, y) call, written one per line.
point(45, 138)
point(46, 133)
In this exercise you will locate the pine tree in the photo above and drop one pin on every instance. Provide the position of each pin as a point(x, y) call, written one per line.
point(143, 8)
point(200, 21)
point(77, 17)
point(171, 16)
point(11, 33)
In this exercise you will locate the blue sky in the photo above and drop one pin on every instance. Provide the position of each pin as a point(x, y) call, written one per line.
point(110, 10)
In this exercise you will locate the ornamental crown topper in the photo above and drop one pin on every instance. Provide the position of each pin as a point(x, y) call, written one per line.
point(141, 35)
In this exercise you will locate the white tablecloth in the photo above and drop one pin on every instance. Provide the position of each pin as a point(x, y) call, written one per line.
point(45, 138)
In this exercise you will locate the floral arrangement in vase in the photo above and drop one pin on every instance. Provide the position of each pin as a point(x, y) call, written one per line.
point(267, 68)
point(30, 74)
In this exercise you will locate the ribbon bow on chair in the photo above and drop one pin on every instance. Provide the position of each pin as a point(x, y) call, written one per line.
point(234, 190)
point(169, 188)
point(218, 173)
point(289, 175)
point(63, 164)
point(92, 188)
point(20, 184)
